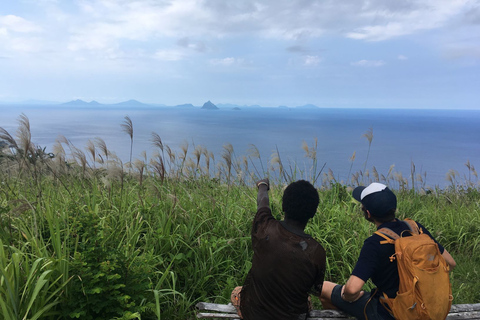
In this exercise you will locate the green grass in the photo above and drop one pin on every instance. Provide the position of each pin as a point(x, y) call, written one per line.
point(107, 240)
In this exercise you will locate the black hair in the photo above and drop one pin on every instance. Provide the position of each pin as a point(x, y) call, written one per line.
point(300, 201)
point(387, 217)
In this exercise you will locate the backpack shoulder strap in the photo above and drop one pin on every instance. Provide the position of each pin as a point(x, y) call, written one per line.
point(387, 234)
point(413, 226)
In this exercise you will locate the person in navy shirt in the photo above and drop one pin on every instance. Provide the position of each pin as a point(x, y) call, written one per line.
point(379, 204)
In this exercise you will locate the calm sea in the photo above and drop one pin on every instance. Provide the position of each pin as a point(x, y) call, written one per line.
point(436, 141)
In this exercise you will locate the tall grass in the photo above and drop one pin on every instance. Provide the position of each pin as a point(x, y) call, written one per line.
point(81, 237)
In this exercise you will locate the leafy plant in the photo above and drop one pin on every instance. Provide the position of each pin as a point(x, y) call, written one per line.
point(29, 289)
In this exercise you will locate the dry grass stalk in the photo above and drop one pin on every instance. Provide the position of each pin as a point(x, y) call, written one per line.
point(184, 148)
point(24, 136)
point(253, 152)
point(140, 166)
point(158, 166)
point(375, 174)
point(390, 170)
point(412, 174)
point(369, 136)
point(206, 156)
point(4, 135)
point(227, 157)
point(100, 143)
point(157, 141)
point(59, 153)
point(91, 150)
point(80, 158)
point(355, 179)
point(171, 154)
point(197, 152)
point(127, 127)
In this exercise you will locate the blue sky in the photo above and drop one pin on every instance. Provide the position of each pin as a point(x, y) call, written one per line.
point(333, 53)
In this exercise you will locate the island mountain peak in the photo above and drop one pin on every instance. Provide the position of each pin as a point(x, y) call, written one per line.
point(209, 105)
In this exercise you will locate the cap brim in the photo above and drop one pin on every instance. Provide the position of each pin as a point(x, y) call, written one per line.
point(357, 193)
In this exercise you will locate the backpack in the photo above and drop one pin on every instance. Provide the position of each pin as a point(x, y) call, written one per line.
point(424, 291)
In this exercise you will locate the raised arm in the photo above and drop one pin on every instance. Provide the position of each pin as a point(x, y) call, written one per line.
point(262, 197)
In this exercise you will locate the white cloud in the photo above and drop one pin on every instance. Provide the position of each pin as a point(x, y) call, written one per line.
point(224, 62)
point(311, 60)
point(18, 35)
point(402, 57)
point(18, 24)
point(368, 63)
point(144, 20)
point(169, 55)
point(98, 25)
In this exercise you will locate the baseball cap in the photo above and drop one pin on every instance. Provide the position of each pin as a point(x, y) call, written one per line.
point(376, 198)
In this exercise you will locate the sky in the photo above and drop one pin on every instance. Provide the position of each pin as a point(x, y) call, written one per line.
point(332, 53)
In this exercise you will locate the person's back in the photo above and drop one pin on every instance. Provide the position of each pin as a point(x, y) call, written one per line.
point(378, 205)
point(374, 262)
point(287, 264)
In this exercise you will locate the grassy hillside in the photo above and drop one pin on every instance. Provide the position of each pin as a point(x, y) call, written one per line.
point(85, 236)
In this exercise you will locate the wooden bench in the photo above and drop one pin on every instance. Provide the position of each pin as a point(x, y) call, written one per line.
point(227, 311)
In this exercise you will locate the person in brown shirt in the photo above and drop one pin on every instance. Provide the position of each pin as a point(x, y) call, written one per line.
point(287, 264)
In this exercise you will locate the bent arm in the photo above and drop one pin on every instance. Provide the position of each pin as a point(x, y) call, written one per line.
point(352, 290)
point(449, 259)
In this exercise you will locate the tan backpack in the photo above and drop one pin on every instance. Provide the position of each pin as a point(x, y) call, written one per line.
point(424, 292)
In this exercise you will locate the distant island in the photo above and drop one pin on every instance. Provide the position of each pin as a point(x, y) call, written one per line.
point(186, 105)
point(79, 102)
point(209, 105)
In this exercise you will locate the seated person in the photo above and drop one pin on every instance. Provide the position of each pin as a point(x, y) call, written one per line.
point(287, 264)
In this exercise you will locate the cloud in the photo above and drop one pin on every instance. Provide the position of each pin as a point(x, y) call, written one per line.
point(368, 63)
point(103, 26)
point(198, 46)
point(296, 49)
point(311, 60)
point(402, 57)
point(18, 24)
point(18, 35)
point(169, 55)
point(225, 61)
point(144, 20)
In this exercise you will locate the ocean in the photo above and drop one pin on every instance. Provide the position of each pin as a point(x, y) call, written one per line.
point(435, 141)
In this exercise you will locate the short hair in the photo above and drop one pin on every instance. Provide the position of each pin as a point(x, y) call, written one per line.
point(387, 217)
point(300, 201)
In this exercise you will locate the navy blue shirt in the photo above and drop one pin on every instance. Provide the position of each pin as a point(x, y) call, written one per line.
point(374, 262)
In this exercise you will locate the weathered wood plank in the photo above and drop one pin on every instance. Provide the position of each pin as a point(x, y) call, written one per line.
point(465, 307)
point(328, 314)
point(217, 315)
point(227, 311)
point(341, 318)
point(470, 315)
point(216, 307)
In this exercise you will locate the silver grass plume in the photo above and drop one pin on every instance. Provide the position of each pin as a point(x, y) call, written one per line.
point(24, 136)
point(127, 127)
point(157, 141)
point(369, 136)
point(100, 143)
point(91, 149)
point(4, 135)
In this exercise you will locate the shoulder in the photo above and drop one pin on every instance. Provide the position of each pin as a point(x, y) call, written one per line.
point(263, 213)
point(319, 249)
point(318, 253)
